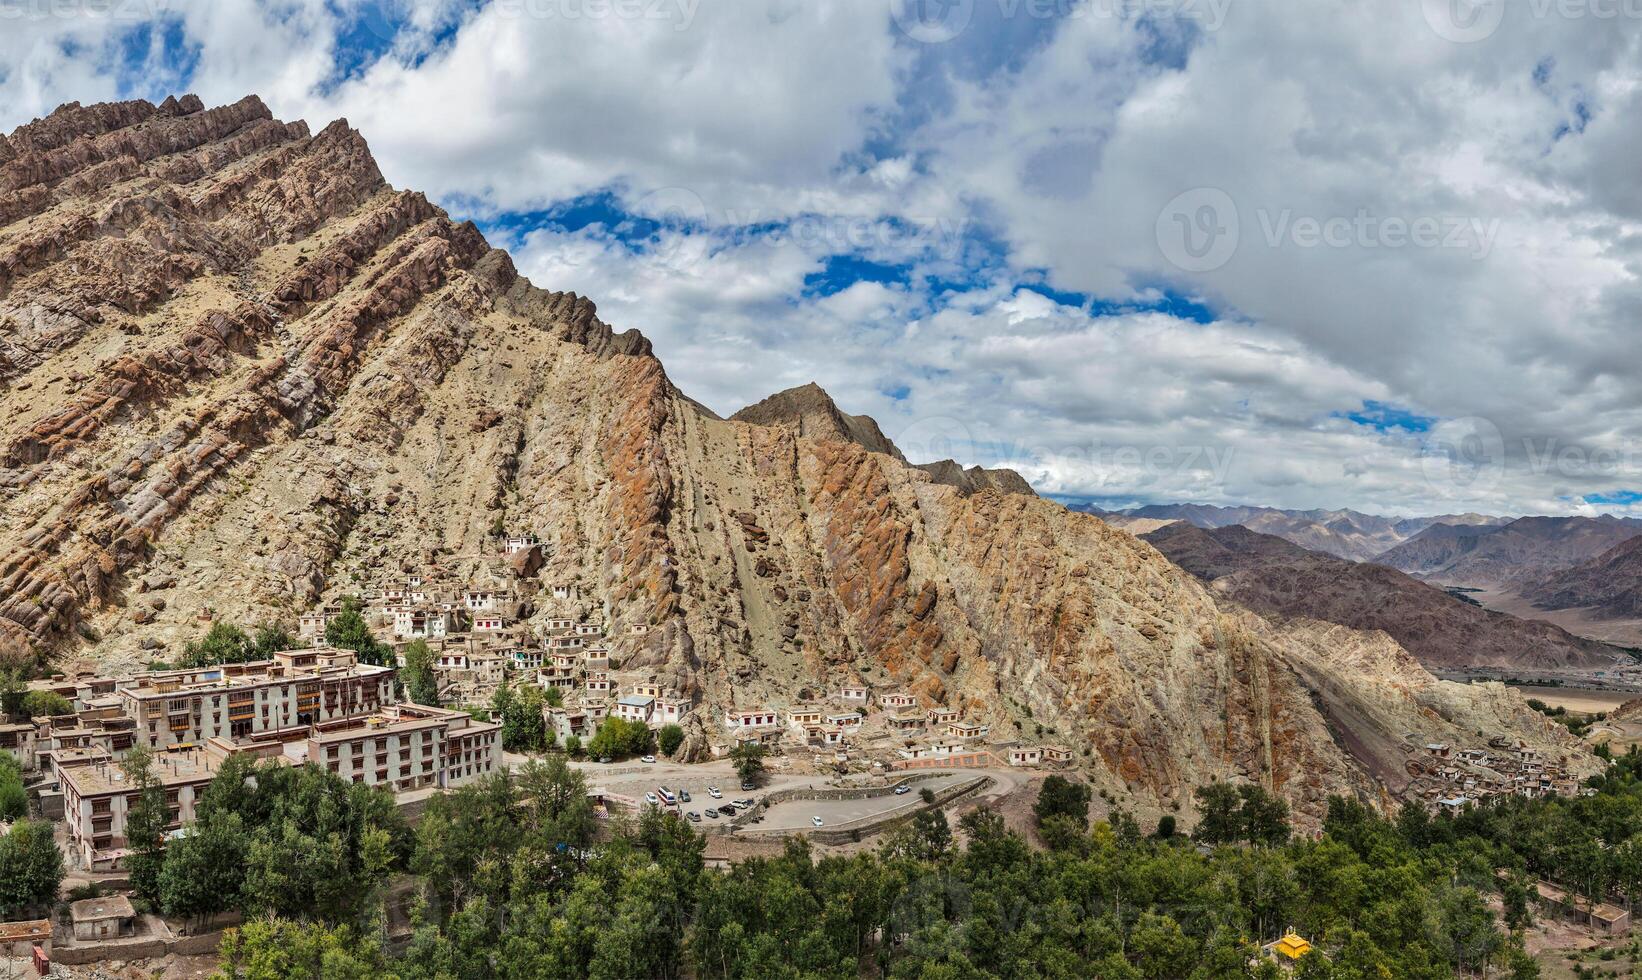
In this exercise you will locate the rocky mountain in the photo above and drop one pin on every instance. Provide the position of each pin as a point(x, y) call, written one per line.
point(243, 375)
point(1275, 577)
point(1510, 556)
point(1609, 585)
point(1346, 534)
point(810, 413)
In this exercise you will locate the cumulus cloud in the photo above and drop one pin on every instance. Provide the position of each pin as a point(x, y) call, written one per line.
point(1319, 254)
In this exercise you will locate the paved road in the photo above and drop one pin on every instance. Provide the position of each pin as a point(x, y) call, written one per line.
point(633, 779)
point(798, 814)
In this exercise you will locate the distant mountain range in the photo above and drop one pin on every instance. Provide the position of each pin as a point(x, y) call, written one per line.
point(1346, 534)
point(1275, 577)
point(1609, 585)
point(1514, 556)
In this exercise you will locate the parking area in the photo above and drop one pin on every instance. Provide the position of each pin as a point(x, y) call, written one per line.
point(799, 815)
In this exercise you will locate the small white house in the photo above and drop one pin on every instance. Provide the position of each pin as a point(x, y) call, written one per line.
point(635, 707)
point(519, 542)
point(752, 718)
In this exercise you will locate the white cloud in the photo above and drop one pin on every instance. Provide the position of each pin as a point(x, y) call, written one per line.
point(1061, 142)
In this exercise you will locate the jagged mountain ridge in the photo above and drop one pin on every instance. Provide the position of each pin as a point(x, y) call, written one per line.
point(244, 375)
point(812, 414)
point(1275, 577)
point(1347, 534)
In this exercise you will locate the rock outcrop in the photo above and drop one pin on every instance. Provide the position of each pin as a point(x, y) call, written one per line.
point(242, 371)
point(809, 412)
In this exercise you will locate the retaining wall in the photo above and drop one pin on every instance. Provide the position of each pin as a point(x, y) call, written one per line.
point(867, 826)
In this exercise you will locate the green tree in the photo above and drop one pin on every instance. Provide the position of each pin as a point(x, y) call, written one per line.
point(669, 738)
point(421, 683)
point(348, 631)
point(524, 728)
point(146, 821)
point(1218, 821)
point(1061, 797)
point(280, 949)
point(617, 738)
point(31, 868)
point(13, 688)
point(205, 869)
point(38, 704)
point(749, 761)
point(1264, 817)
point(269, 639)
point(14, 800)
point(223, 643)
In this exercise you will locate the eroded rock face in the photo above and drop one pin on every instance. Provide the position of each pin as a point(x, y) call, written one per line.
point(243, 375)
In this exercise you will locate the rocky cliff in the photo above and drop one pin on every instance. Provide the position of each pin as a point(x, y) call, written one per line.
point(242, 375)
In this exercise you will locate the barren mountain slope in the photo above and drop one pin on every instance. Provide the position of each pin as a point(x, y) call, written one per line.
point(1274, 577)
point(244, 375)
point(1609, 585)
point(1510, 556)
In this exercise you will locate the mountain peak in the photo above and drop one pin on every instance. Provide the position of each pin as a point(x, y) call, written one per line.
point(811, 413)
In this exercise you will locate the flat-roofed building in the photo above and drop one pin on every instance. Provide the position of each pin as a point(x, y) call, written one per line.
point(295, 689)
point(97, 796)
point(635, 707)
point(19, 740)
point(408, 747)
point(752, 718)
point(423, 623)
point(310, 626)
point(805, 717)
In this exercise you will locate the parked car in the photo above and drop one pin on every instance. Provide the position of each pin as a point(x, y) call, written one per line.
point(684, 795)
point(902, 789)
point(816, 821)
point(649, 760)
point(693, 816)
point(604, 761)
point(748, 784)
point(652, 799)
point(714, 793)
point(712, 814)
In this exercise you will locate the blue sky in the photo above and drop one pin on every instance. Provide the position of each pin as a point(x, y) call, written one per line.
point(1160, 251)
